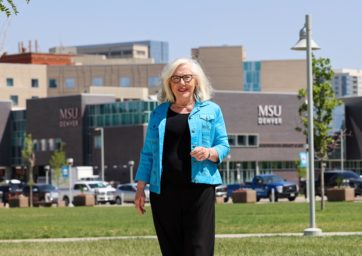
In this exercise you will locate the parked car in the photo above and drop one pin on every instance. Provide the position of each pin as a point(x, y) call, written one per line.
point(265, 184)
point(10, 188)
point(334, 178)
point(43, 194)
point(101, 191)
point(126, 193)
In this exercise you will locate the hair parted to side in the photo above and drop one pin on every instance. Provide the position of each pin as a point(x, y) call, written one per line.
point(203, 90)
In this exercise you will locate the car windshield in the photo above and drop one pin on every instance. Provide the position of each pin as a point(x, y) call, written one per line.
point(97, 185)
point(271, 179)
point(46, 187)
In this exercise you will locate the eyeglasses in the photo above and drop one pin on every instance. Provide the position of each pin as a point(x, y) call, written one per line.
point(185, 78)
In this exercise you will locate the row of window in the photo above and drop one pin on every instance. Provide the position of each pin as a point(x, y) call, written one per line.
point(47, 144)
point(124, 81)
point(119, 119)
point(122, 107)
point(34, 82)
point(243, 140)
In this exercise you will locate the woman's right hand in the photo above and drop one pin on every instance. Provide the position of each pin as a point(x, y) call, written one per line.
point(140, 197)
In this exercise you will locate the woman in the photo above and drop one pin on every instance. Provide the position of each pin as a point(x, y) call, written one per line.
point(186, 139)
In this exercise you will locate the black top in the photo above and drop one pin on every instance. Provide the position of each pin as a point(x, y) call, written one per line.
point(176, 159)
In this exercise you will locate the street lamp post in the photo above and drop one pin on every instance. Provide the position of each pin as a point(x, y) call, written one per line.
point(101, 130)
point(70, 162)
point(228, 168)
point(305, 43)
point(238, 176)
point(131, 164)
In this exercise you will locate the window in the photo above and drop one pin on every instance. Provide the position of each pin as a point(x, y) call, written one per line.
point(232, 140)
point(153, 81)
point(69, 83)
point(243, 140)
point(36, 145)
point(52, 83)
point(97, 142)
point(124, 81)
point(127, 52)
point(43, 145)
point(51, 144)
point(97, 81)
point(9, 82)
point(141, 53)
point(253, 140)
point(34, 83)
point(58, 143)
point(14, 99)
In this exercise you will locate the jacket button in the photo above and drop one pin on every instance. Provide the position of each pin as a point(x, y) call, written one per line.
point(193, 131)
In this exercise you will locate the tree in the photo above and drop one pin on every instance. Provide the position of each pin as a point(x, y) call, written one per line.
point(28, 156)
point(57, 160)
point(325, 101)
point(9, 7)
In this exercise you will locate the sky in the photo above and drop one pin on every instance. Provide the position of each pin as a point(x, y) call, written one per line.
point(266, 29)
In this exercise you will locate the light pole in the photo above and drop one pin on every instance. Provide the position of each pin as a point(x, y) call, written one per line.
point(70, 162)
point(131, 164)
point(101, 130)
point(306, 43)
point(228, 168)
point(238, 176)
point(342, 153)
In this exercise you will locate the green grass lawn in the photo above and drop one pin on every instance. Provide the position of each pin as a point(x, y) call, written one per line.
point(230, 218)
point(286, 246)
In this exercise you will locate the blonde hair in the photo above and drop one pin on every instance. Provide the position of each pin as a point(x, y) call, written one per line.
point(203, 89)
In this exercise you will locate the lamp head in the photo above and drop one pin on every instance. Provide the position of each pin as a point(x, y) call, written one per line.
point(70, 161)
point(301, 45)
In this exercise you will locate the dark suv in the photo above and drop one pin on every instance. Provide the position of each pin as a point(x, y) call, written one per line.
point(340, 177)
point(9, 190)
point(43, 194)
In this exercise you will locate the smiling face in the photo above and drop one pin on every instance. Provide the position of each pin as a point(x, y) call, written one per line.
point(183, 83)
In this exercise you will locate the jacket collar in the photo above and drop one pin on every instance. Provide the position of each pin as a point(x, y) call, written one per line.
point(198, 105)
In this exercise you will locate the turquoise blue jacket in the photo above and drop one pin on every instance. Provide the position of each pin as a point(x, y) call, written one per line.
point(207, 129)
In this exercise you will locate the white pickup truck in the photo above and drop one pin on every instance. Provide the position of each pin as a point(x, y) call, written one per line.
point(102, 192)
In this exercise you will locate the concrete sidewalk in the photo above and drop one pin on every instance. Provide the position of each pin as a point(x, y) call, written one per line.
point(218, 236)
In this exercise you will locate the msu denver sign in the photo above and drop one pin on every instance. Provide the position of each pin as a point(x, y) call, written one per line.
point(270, 114)
point(68, 117)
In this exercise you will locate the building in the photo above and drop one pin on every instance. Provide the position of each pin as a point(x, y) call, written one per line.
point(134, 78)
point(347, 82)
point(227, 68)
point(5, 137)
point(67, 80)
point(261, 130)
point(19, 82)
point(148, 49)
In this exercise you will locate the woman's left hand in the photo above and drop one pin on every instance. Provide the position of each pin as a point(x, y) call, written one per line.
point(200, 153)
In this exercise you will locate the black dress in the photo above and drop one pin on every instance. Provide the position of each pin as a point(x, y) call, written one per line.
point(184, 212)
